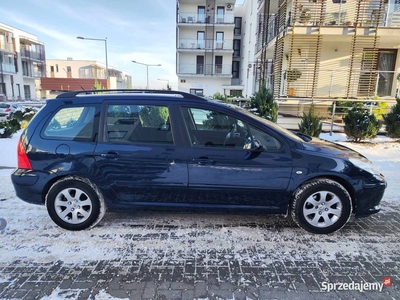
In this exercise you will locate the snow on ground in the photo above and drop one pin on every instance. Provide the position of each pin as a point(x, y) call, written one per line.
point(31, 236)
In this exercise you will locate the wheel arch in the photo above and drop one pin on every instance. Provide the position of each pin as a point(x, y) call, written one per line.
point(347, 185)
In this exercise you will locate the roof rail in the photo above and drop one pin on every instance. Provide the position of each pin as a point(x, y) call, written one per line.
point(144, 91)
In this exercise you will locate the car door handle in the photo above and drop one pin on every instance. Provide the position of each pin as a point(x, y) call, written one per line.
point(203, 161)
point(110, 155)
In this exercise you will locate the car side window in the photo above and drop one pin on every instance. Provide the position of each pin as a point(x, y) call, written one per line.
point(73, 123)
point(267, 140)
point(138, 124)
point(214, 129)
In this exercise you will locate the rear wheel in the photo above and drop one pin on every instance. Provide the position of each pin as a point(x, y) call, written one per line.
point(73, 204)
point(321, 206)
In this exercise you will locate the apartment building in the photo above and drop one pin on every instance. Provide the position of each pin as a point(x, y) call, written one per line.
point(22, 64)
point(70, 74)
point(323, 49)
point(208, 47)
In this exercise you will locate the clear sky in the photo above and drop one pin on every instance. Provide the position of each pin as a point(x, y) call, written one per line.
point(135, 30)
point(139, 30)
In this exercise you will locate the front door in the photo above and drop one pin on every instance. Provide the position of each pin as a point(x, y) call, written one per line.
point(223, 172)
point(138, 156)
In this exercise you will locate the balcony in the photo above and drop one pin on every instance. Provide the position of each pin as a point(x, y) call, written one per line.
point(336, 84)
point(193, 44)
point(7, 68)
point(271, 33)
point(194, 18)
point(368, 14)
point(205, 70)
point(9, 47)
point(32, 55)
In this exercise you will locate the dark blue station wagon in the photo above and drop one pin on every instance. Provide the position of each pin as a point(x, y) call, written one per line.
point(85, 153)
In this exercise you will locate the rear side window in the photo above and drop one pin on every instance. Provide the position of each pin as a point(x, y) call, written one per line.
point(73, 123)
point(138, 124)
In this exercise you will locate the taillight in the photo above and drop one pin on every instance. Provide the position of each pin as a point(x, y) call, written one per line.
point(8, 109)
point(23, 161)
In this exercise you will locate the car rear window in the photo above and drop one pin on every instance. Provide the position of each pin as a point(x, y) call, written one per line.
point(72, 123)
point(2, 105)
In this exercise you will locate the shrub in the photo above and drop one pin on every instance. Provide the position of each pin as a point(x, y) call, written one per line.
point(263, 104)
point(392, 121)
point(360, 125)
point(25, 114)
point(8, 128)
point(310, 123)
point(219, 96)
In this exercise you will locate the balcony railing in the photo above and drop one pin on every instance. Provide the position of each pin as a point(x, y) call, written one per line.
point(271, 33)
point(205, 44)
point(368, 14)
point(9, 68)
point(194, 17)
point(32, 54)
point(336, 84)
point(6, 46)
point(205, 69)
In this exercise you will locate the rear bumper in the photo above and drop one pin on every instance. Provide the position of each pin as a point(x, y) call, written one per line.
point(368, 200)
point(28, 186)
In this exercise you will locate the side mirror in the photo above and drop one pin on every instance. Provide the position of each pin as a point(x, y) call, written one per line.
point(254, 148)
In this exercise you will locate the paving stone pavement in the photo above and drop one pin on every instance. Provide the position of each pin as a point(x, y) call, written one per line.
point(251, 273)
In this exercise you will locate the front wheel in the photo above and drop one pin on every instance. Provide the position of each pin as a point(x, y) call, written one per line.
point(73, 204)
point(321, 206)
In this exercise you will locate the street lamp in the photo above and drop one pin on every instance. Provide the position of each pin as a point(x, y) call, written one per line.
point(164, 80)
point(147, 66)
point(105, 43)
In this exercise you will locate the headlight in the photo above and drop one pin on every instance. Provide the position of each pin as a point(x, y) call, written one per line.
point(365, 165)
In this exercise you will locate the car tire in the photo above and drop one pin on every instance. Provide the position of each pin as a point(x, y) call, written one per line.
point(74, 204)
point(321, 206)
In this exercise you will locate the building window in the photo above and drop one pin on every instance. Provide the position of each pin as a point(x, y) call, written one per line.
point(69, 75)
point(25, 68)
point(218, 64)
point(52, 69)
point(200, 64)
point(198, 92)
point(27, 91)
point(220, 14)
point(57, 68)
point(235, 93)
point(201, 14)
point(235, 69)
point(238, 26)
point(220, 40)
point(200, 39)
point(236, 48)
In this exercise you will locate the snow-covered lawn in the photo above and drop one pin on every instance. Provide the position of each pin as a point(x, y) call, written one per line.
point(32, 237)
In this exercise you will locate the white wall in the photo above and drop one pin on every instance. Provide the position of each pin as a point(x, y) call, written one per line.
point(210, 85)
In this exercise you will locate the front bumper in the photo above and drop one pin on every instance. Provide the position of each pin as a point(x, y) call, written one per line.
point(369, 198)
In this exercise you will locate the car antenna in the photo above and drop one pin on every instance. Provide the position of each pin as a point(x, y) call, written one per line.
point(74, 79)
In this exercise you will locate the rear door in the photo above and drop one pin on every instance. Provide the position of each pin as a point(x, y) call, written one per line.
point(138, 154)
